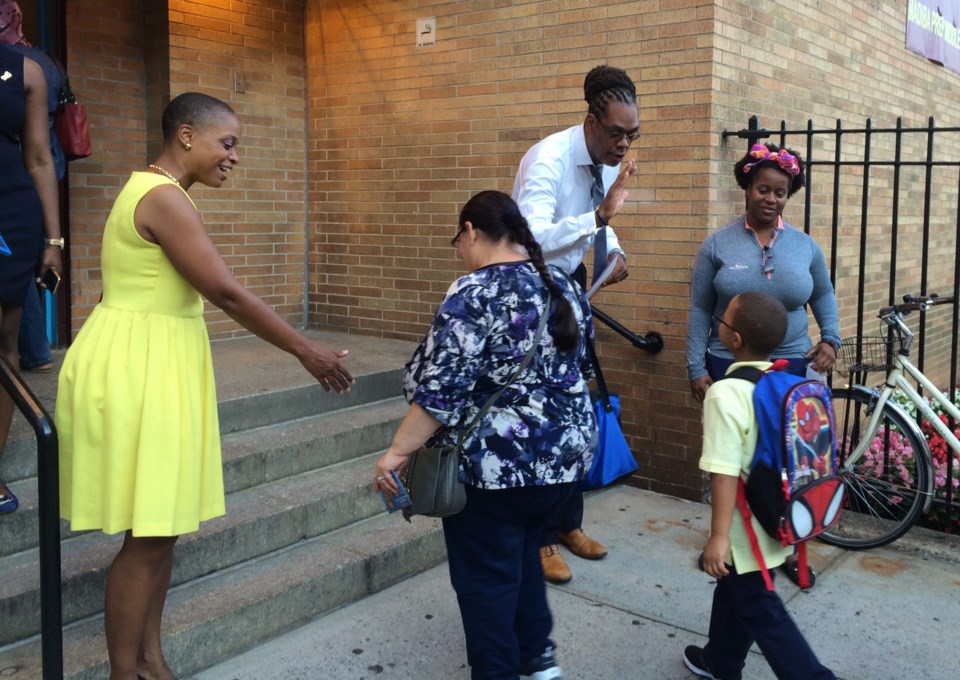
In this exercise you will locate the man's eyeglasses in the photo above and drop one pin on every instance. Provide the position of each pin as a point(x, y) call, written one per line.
point(456, 239)
point(719, 319)
point(616, 134)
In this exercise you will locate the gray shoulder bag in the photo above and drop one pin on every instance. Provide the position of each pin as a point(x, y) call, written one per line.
point(432, 476)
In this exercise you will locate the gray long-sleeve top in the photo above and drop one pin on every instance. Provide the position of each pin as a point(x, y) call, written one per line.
point(730, 262)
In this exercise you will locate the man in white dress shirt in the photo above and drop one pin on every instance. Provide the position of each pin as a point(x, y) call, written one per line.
point(570, 186)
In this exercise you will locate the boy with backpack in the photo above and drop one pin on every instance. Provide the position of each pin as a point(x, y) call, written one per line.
point(744, 609)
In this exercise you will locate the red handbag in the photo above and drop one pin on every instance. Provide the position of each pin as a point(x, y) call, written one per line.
point(70, 125)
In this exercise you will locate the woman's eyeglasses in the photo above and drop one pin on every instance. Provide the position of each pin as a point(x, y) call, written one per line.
point(719, 319)
point(456, 239)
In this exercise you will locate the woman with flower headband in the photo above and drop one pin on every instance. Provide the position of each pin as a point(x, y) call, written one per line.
point(759, 251)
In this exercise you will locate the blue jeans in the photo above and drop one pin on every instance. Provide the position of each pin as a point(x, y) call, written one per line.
point(32, 338)
point(493, 550)
point(744, 612)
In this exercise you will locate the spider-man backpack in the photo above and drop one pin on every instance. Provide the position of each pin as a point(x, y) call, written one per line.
point(792, 487)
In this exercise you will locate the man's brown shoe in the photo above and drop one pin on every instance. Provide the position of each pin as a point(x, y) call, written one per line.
point(582, 545)
point(555, 570)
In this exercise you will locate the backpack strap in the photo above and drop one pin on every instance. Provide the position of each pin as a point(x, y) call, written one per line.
point(748, 373)
point(752, 374)
point(752, 535)
point(803, 575)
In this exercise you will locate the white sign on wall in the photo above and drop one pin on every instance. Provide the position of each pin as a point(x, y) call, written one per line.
point(426, 32)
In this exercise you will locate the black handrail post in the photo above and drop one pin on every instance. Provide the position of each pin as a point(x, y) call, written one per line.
point(48, 490)
point(652, 342)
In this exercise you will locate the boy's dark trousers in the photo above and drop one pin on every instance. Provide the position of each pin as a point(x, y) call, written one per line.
point(744, 611)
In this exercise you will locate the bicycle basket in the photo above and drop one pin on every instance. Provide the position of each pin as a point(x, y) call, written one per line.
point(861, 354)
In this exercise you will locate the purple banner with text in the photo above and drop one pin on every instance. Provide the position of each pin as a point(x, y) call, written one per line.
point(932, 31)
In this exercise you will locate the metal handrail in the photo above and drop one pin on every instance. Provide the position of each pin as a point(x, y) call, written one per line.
point(652, 342)
point(48, 491)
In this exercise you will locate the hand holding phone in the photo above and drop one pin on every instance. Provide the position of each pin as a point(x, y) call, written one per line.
point(399, 501)
point(50, 281)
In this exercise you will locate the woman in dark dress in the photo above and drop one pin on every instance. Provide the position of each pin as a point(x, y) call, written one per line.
point(29, 214)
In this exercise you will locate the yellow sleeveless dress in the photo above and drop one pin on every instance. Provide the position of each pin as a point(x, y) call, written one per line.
point(136, 406)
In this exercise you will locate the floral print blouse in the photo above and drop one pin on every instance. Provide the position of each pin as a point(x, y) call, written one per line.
point(542, 429)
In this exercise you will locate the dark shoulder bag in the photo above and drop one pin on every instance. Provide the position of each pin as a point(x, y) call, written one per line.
point(432, 476)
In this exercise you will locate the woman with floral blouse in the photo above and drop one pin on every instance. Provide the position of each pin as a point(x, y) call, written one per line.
point(531, 447)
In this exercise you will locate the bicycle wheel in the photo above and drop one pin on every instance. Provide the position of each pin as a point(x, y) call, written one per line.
point(887, 485)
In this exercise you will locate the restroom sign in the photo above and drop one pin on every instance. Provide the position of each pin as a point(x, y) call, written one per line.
point(426, 32)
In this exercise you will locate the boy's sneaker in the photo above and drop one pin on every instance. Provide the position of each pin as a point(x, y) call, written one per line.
point(693, 658)
point(544, 667)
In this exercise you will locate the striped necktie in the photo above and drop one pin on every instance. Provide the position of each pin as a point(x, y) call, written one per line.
point(600, 239)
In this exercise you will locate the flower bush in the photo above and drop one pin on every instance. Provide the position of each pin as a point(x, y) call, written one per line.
point(942, 516)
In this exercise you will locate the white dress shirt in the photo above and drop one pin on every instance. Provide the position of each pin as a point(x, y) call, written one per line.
point(552, 190)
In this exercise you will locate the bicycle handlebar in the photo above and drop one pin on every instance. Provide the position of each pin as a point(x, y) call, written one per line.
point(914, 303)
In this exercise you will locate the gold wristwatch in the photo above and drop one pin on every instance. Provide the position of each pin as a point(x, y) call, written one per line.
point(59, 242)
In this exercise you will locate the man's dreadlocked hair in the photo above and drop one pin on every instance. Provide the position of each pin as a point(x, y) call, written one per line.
point(605, 84)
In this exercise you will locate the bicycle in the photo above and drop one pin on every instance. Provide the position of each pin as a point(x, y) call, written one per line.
point(883, 455)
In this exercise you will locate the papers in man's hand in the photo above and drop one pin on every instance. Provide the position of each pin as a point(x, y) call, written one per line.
point(603, 276)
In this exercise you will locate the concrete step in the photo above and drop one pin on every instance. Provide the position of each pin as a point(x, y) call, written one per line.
point(212, 618)
point(303, 532)
point(257, 384)
point(259, 520)
point(252, 457)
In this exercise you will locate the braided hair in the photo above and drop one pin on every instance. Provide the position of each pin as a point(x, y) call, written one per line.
point(745, 179)
point(496, 215)
point(605, 84)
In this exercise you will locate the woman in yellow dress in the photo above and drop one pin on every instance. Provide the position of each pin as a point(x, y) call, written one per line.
point(136, 408)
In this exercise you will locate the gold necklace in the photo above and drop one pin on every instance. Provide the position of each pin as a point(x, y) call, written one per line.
point(164, 172)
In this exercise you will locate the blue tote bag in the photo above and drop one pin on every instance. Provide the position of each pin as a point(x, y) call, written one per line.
point(613, 458)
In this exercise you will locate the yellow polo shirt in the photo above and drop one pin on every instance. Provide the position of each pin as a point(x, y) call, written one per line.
point(729, 438)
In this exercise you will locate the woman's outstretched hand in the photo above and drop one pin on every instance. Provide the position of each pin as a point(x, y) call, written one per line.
point(324, 364)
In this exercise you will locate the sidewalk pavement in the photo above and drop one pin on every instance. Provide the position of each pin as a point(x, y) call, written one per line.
point(890, 613)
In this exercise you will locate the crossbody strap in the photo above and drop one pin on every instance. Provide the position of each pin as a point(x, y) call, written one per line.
point(602, 390)
point(526, 361)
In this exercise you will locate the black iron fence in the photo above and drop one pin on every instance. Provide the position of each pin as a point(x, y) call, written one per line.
point(884, 205)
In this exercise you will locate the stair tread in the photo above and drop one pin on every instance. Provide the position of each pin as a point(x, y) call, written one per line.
point(303, 532)
point(92, 551)
point(257, 590)
point(255, 445)
point(242, 442)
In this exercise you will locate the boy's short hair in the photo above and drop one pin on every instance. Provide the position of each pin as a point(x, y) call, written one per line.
point(761, 321)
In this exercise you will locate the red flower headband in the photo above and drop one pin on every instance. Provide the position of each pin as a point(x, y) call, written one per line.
point(787, 161)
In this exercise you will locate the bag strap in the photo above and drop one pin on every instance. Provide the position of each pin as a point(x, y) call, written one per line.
point(751, 534)
point(598, 374)
point(592, 353)
point(526, 361)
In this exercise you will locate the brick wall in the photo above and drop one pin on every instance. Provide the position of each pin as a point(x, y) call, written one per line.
point(380, 144)
point(400, 138)
point(105, 60)
point(126, 61)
